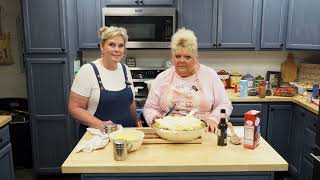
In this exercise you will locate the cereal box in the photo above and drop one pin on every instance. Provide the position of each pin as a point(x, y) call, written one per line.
point(251, 129)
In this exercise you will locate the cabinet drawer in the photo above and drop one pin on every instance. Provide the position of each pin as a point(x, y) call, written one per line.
point(4, 136)
point(240, 109)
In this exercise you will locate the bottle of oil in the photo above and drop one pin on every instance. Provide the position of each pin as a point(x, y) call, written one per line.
point(222, 132)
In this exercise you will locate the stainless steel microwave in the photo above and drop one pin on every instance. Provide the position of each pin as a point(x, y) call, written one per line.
point(147, 27)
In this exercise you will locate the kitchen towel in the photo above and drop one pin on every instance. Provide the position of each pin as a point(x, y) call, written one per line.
point(98, 141)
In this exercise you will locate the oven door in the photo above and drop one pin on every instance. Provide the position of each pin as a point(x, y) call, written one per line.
point(146, 27)
point(316, 165)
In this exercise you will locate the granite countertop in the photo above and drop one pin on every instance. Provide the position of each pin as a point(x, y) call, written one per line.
point(153, 158)
point(235, 97)
point(4, 120)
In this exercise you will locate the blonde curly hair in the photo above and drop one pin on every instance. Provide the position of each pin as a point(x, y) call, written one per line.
point(184, 38)
point(106, 33)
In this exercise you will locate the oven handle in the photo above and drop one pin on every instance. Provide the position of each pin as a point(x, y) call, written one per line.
point(315, 157)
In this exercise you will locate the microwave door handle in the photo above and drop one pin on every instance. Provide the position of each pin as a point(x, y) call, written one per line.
point(315, 157)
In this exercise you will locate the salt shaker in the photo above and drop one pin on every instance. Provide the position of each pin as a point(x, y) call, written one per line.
point(120, 150)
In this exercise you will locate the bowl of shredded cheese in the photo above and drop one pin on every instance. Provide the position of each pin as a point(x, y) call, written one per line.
point(179, 128)
point(133, 138)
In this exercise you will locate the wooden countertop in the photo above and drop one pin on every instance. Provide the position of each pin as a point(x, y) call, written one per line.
point(235, 97)
point(205, 157)
point(4, 120)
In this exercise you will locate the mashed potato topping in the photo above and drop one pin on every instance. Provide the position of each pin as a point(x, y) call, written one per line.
point(181, 123)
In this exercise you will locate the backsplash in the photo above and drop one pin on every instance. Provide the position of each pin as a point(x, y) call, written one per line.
point(253, 62)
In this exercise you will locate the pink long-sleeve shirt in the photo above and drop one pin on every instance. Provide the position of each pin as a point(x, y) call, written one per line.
point(214, 94)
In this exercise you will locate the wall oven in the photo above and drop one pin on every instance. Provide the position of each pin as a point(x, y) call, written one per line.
point(148, 27)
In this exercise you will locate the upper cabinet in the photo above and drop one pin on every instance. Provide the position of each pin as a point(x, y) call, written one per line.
point(273, 23)
point(89, 21)
point(303, 24)
point(219, 24)
point(138, 2)
point(44, 26)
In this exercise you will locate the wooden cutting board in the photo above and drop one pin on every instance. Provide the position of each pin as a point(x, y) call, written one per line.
point(150, 137)
point(289, 70)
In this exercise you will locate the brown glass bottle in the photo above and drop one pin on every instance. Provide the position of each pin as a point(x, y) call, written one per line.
point(222, 132)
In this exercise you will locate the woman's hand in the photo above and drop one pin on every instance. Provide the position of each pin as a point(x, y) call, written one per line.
point(212, 125)
point(156, 117)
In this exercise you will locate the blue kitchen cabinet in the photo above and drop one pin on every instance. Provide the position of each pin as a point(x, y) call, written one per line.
point(138, 2)
point(303, 25)
point(279, 128)
point(239, 109)
point(308, 143)
point(296, 141)
point(89, 22)
point(218, 24)
point(203, 23)
point(6, 160)
point(44, 26)
point(51, 128)
point(273, 23)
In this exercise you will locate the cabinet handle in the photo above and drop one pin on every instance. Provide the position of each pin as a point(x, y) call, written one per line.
point(303, 115)
point(214, 45)
point(137, 2)
point(281, 45)
point(315, 125)
point(271, 109)
point(141, 2)
point(1, 140)
point(219, 44)
point(62, 49)
point(98, 45)
point(315, 157)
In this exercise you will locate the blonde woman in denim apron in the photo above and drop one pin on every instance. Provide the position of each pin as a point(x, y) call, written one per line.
point(102, 91)
point(188, 85)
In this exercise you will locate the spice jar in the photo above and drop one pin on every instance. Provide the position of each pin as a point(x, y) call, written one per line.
point(262, 89)
point(120, 152)
point(250, 80)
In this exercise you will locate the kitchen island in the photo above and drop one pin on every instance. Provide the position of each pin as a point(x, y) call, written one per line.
point(179, 161)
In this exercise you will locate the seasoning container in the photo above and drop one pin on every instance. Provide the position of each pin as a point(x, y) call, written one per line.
point(111, 127)
point(235, 79)
point(250, 80)
point(225, 78)
point(120, 150)
point(262, 89)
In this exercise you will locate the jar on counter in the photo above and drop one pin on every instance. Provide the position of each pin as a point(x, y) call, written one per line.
point(257, 81)
point(225, 78)
point(235, 78)
point(250, 80)
point(262, 89)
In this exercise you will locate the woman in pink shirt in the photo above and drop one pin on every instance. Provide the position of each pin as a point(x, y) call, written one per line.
point(188, 85)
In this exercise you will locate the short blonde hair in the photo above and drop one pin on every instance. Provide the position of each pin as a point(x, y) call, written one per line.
point(106, 33)
point(184, 38)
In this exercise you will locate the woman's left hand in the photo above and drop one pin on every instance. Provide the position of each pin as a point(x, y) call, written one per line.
point(212, 125)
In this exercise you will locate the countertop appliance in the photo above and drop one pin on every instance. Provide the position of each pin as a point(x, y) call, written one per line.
point(147, 27)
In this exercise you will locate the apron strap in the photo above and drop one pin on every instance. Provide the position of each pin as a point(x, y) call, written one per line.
point(97, 76)
point(125, 75)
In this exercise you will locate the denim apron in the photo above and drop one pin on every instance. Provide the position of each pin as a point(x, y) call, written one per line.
point(113, 105)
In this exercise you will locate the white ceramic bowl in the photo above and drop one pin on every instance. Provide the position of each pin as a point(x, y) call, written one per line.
point(179, 136)
point(133, 137)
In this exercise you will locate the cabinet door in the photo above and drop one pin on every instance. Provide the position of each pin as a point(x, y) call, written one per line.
point(303, 24)
point(279, 125)
point(296, 141)
point(238, 23)
point(307, 169)
point(6, 163)
point(139, 2)
point(89, 22)
point(273, 23)
point(203, 23)
point(44, 25)
point(51, 128)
